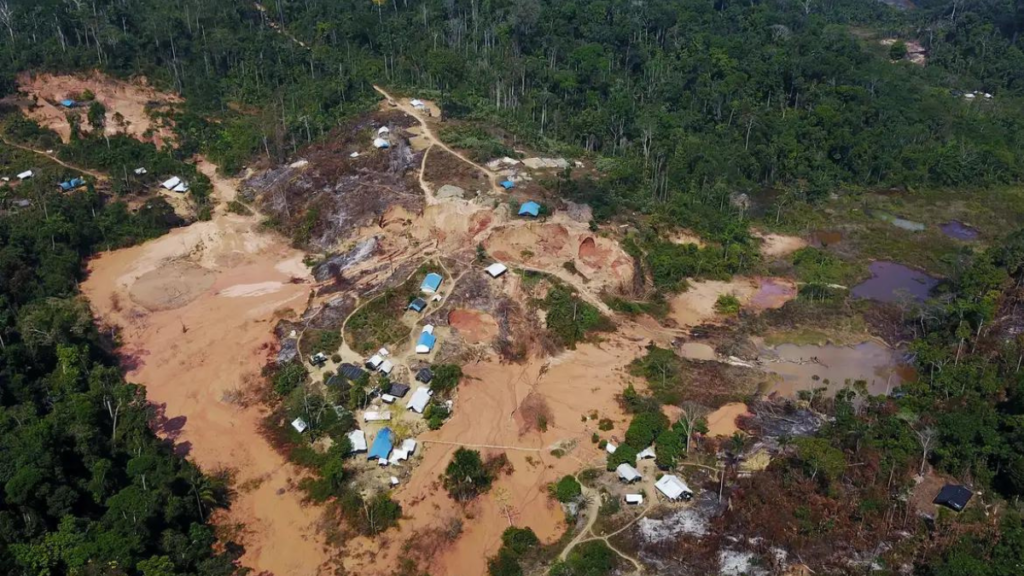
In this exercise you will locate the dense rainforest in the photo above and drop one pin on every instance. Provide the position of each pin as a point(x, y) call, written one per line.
point(684, 105)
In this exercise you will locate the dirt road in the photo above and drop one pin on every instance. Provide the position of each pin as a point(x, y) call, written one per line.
point(52, 158)
point(435, 141)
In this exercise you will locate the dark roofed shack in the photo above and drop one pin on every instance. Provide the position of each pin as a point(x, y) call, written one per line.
point(953, 496)
point(424, 375)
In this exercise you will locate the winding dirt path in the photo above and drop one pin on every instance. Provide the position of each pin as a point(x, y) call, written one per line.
point(52, 158)
point(492, 177)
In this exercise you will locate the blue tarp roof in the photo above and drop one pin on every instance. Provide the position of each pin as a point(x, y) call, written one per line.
point(508, 184)
point(67, 103)
point(72, 184)
point(418, 304)
point(427, 339)
point(529, 208)
point(432, 282)
point(381, 445)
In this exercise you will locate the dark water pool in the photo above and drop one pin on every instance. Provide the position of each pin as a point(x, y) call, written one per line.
point(959, 230)
point(889, 281)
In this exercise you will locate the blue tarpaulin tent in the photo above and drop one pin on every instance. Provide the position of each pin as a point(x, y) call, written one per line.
point(381, 445)
point(418, 305)
point(72, 184)
point(431, 283)
point(530, 208)
point(426, 343)
point(508, 184)
point(67, 103)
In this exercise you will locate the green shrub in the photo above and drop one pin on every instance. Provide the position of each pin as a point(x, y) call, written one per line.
point(624, 454)
point(520, 541)
point(605, 424)
point(570, 319)
point(644, 428)
point(566, 490)
point(289, 377)
point(727, 304)
point(466, 477)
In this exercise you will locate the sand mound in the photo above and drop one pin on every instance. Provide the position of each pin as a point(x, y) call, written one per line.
point(722, 422)
point(549, 245)
point(473, 326)
point(128, 105)
point(530, 242)
point(171, 286)
point(686, 237)
point(697, 305)
point(778, 246)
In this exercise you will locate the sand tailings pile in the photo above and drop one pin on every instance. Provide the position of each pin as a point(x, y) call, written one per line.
point(497, 412)
point(127, 104)
point(696, 306)
point(197, 308)
point(549, 245)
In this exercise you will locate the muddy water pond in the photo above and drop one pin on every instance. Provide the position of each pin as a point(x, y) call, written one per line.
point(805, 367)
point(960, 231)
point(890, 282)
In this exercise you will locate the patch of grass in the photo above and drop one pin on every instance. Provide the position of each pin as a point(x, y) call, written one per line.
point(727, 304)
point(657, 308)
point(571, 320)
point(481, 145)
point(379, 322)
point(236, 207)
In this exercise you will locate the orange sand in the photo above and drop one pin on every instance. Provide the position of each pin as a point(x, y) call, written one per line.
point(193, 352)
point(128, 100)
point(486, 417)
point(722, 422)
point(473, 326)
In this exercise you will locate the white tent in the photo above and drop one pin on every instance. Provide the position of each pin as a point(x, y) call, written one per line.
point(610, 448)
point(354, 155)
point(634, 498)
point(394, 481)
point(140, 171)
point(388, 398)
point(375, 361)
point(182, 187)
point(374, 416)
point(387, 366)
point(358, 440)
point(429, 328)
point(418, 402)
point(383, 353)
point(383, 130)
point(26, 175)
point(409, 446)
point(416, 103)
point(627, 473)
point(170, 184)
point(380, 143)
point(300, 425)
point(646, 453)
point(673, 488)
point(496, 269)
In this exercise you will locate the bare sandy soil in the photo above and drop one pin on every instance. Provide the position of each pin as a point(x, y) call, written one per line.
point(127, 99)
point(696, 306)
point(601, 262)
point(196, 308)
point(722, 422)
point(473, 326)
point(493, 415)
point(778, 245)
